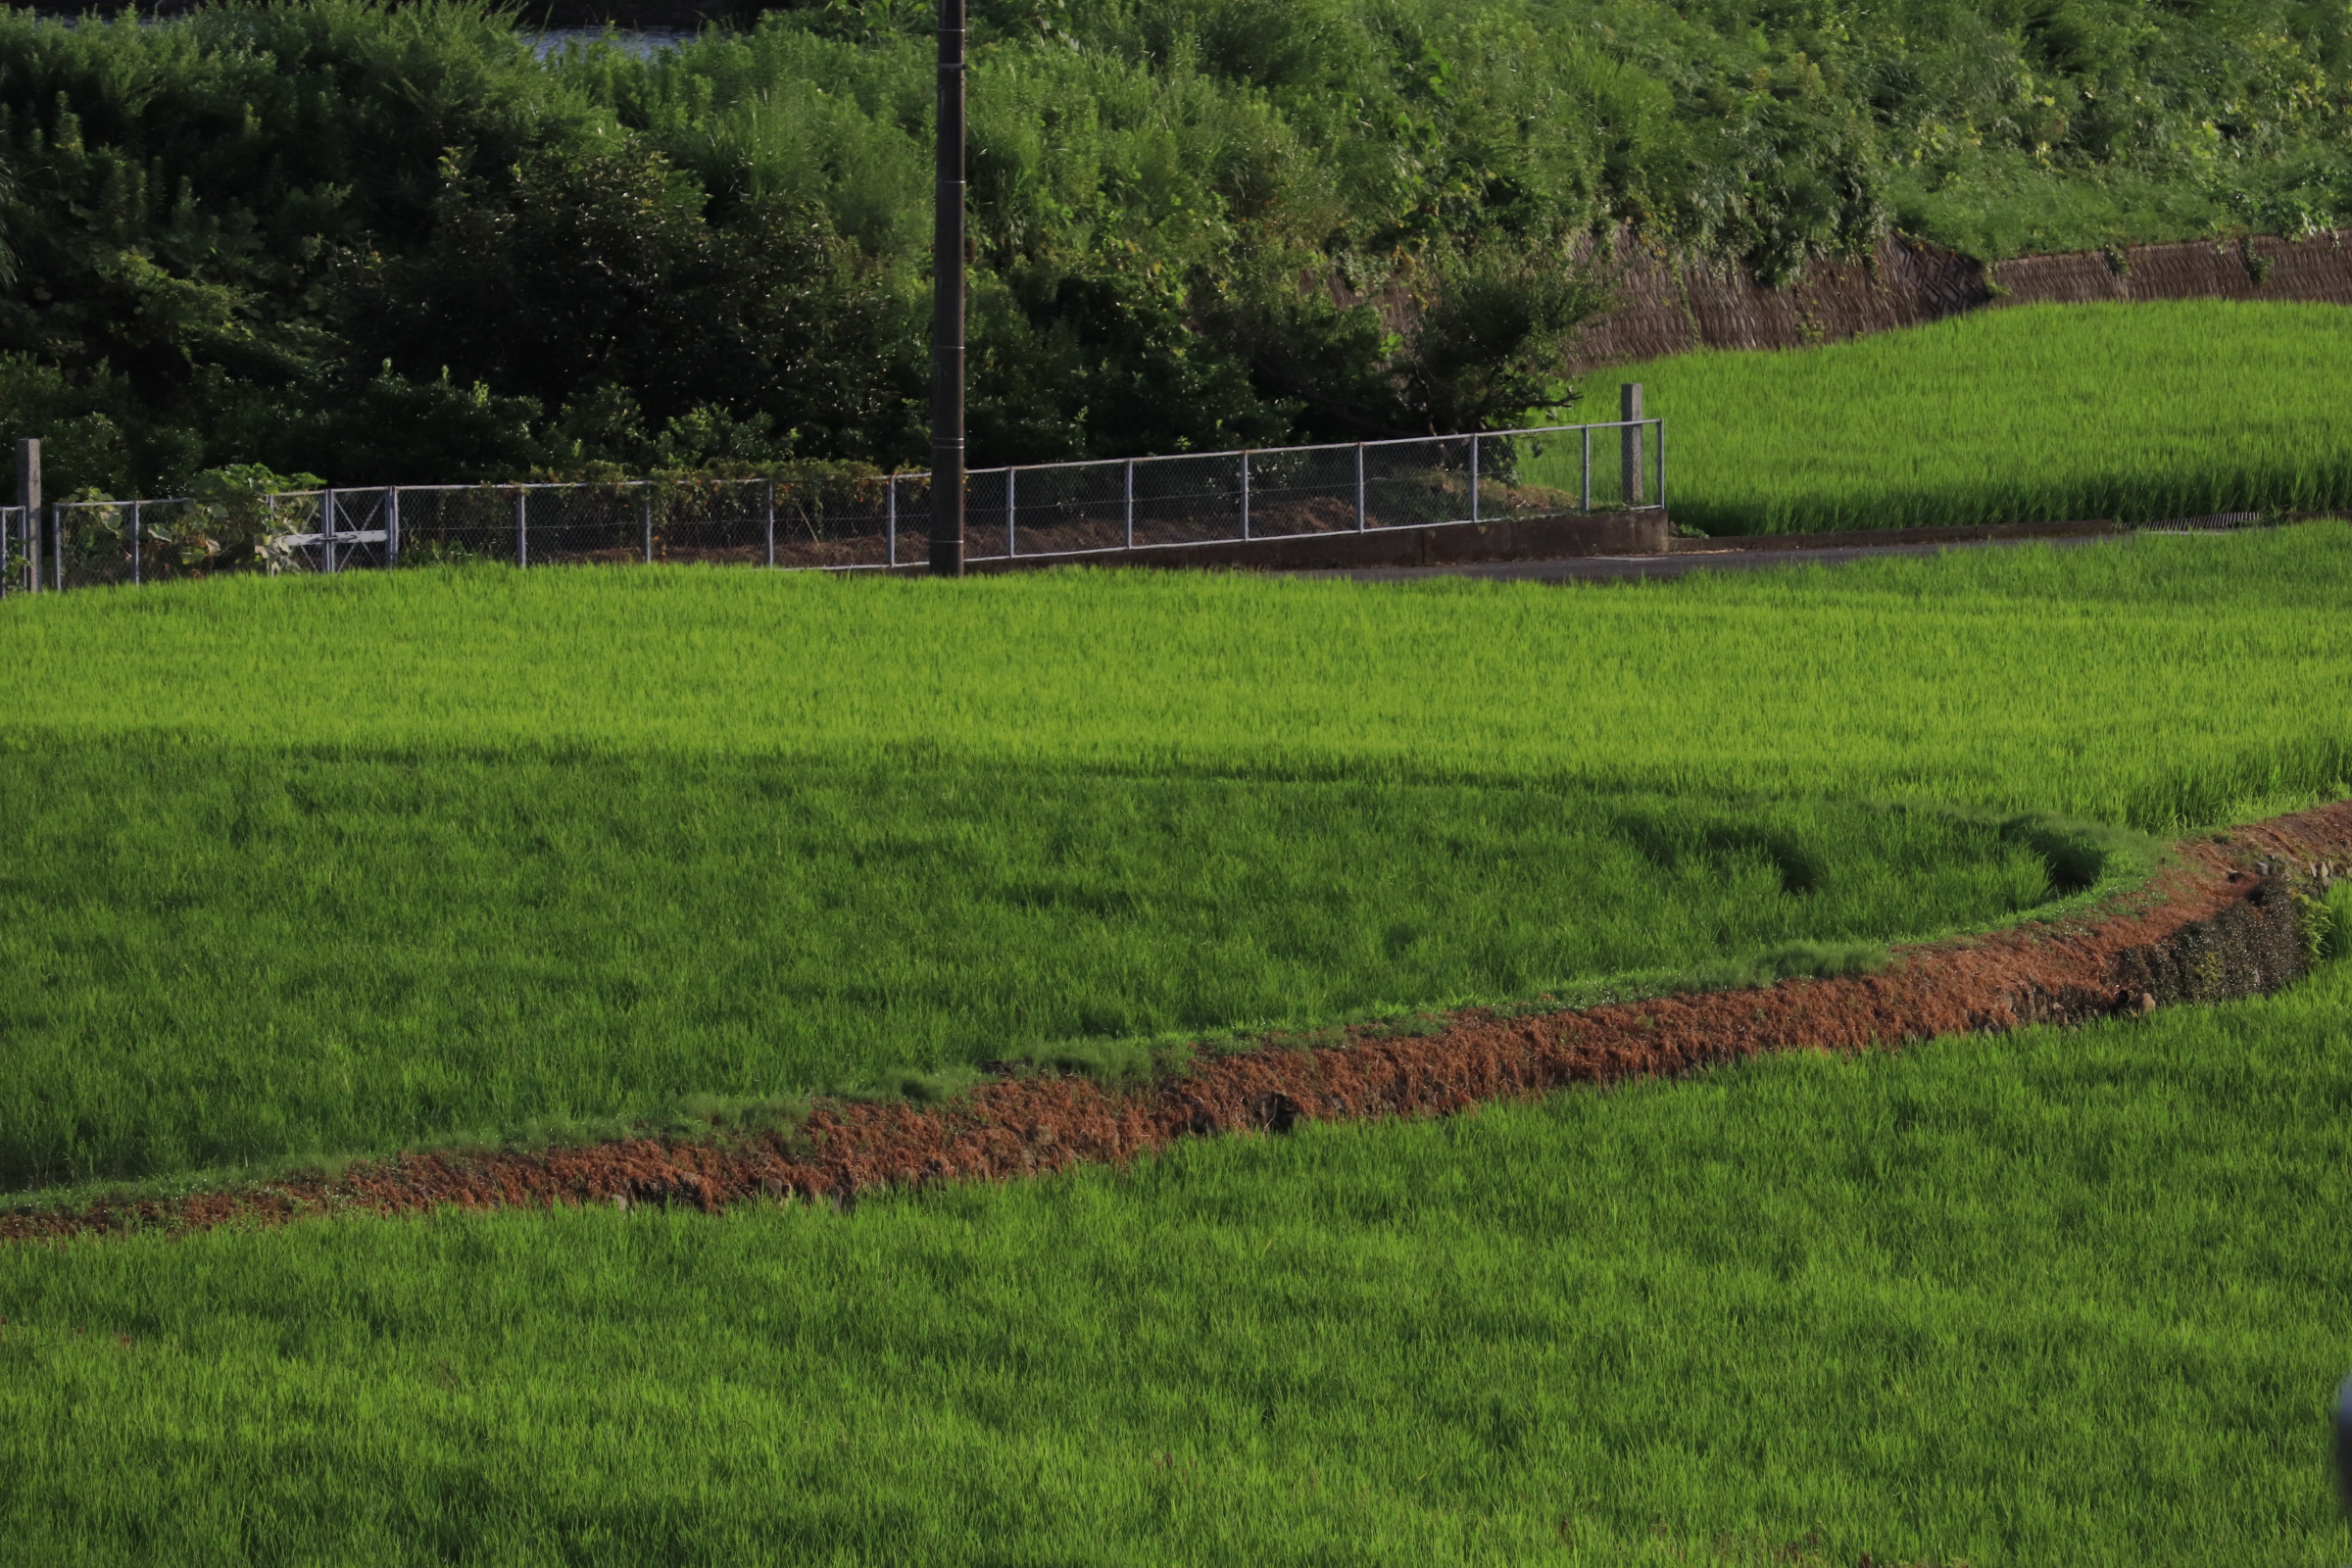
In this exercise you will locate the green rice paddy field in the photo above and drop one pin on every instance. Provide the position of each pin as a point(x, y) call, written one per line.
point(2062, 1298)
point(312, 869)
point(2044, 412)
point(327, 867)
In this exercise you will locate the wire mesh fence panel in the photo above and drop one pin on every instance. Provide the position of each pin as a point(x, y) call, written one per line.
point(1301, 490)
point(1626, 461)
point(907, 519)
point(291, 536)
point(90, 544)
point(175, 538)
point(717, 522)
point(1410, 484)
point(1533, 476)
point(443, 525)
point(572, 524)
point(839, 521)
point(1070, 508)
point(15, 562)
point(1188, 499)
point(988, 535)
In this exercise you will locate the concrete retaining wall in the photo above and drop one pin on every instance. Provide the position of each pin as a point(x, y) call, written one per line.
point(1605, 533)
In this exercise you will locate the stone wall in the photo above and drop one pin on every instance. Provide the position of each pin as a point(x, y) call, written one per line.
point(1668, 304)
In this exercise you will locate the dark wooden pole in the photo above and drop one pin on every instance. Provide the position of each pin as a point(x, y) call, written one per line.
point(947, 306)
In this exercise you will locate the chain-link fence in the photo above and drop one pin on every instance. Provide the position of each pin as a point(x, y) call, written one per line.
point(852, 521)
point(1068, 508)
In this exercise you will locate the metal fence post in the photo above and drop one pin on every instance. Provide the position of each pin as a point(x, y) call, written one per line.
point(135, 575)
point(1359, 487)
point(1244, 495)
point(1013, 543)
point(392, 526)
point(1629, 433)
point(1584, 489)
point(768, 516)
point(522, 548)
point(890, 522)
point(1473, 476)
point(1130, 502)
point(326, 527)
point(645, 517)
point(56, 546)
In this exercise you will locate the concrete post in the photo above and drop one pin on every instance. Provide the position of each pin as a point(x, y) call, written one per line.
point(1629, 409)
point(29, 495)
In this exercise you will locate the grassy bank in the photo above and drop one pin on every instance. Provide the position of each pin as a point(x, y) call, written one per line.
point(2136, 412)
point(2049, 1299)
point(320, 868)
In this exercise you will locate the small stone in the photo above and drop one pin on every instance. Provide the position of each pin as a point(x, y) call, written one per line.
point(621, 1201)
point(773, 1186)
point(2145, 1004)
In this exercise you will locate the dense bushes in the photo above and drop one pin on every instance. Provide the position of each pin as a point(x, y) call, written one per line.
point(397, 245)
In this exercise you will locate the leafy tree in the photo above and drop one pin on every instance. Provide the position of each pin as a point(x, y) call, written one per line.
point(394, 243)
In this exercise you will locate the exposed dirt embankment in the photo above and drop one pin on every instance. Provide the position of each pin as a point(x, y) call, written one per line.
point(2223, 922)
point(1669, 304)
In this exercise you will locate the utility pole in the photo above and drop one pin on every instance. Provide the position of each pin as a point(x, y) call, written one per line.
point(947, 306)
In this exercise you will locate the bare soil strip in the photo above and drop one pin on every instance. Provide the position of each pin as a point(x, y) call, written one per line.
point(2224, 920)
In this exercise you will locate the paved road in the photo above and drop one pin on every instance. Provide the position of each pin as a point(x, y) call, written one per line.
point(1613, 568)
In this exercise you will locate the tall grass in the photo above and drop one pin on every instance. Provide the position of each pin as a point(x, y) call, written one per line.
point(2136, 412)
point(2052, 1299)
point(316, 867)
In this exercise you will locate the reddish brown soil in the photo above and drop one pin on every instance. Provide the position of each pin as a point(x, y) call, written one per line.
point(2222, 921)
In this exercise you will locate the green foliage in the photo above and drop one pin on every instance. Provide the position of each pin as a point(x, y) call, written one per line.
point(2327, 922)
point(2087, 1284)
point(237, 518)
point(392, 244)
point(2318, 918)
point(2029, 414)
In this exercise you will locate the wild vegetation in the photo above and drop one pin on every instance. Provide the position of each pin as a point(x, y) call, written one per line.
point(386, 245)
point(2136, 412)
point(310, 867)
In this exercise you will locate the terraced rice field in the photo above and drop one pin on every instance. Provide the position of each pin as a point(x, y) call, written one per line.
point(306, 870)
point(2135, 412)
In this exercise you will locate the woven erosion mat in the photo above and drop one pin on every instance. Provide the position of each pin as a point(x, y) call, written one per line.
point(2223, 921)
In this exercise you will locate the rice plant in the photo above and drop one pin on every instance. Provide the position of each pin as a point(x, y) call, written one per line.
point(2055, 1301)
point(2037, 413)
point(303, 868)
